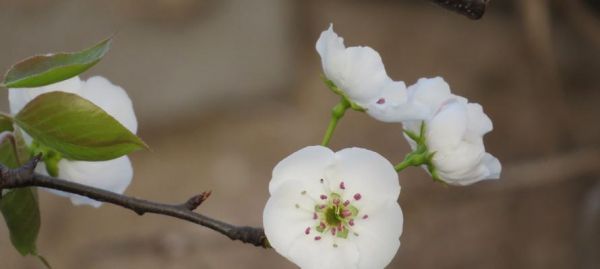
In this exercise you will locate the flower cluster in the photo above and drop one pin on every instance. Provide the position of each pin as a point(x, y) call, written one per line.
point(113, 175)
point(454, 130)
point(454, 127)
point(340, 210)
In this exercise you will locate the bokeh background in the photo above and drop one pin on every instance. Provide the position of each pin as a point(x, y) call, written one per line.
point(225, 89)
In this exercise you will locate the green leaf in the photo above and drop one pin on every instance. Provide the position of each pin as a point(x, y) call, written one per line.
point(22, 215)
point(13, 150)
point(6, 123)
point(43, 70)
point(19, 207)
point(76, 128)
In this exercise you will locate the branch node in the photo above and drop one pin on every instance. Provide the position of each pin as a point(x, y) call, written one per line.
point(251, 235)
point(196, 201)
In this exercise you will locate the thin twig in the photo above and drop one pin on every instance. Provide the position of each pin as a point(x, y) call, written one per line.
point(474, 9)
point(25, 177)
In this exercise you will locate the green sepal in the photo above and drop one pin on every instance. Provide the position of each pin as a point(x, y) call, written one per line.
point(420, 155)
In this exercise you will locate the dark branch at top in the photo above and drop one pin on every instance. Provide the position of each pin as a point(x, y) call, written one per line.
point(25, 177)
point(474, 9)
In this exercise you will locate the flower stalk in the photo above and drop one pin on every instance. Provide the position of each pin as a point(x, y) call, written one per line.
point(337, 113)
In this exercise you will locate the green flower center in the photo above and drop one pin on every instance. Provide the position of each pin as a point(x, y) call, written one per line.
point(334, 215)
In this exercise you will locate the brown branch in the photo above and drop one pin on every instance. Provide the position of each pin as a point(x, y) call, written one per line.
point(474, 9)
point(25, 177)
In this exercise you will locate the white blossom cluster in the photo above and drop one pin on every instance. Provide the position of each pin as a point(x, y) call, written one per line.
point(339, 209)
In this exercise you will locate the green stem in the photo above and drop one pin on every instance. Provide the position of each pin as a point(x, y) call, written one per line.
point(336, 114)
point(418, 157)
point(403, 165)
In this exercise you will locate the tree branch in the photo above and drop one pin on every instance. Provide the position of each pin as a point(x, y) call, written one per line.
point(25, 177)
point(474, 9)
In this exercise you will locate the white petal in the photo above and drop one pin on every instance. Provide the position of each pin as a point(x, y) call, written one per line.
point(311, 254)
point(430, 92)
point(112, 99)
point(113, 175)
point(447, 128)
point(493, 166)
point(283, 222)
point(307, 165)
point(358, 71)
point(378, 237)
point(479, 122)
point(367, 173)
point(460, 162)
point(392, 105)
point(18, 98)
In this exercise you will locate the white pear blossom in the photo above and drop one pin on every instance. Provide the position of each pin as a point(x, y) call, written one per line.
point(334, 210)
point(454, 130)
point(359, 73)
point(113, 175)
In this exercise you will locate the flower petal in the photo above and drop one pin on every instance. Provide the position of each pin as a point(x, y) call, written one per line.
point(319, 254)
point(448, 127)
point(308, 165)
point(358, 71)
point(287, 215)
point(113, 175)
point(378, 237)
point(430, 92)
point(493, 166)
point(367, 173)
point(112, 99)
point(392, 105)
point(460, 162)
point(18, 98)
point(479, 122)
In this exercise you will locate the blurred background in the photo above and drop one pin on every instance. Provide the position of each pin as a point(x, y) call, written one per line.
point(225, 89)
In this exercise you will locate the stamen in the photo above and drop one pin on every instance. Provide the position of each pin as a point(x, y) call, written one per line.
point(336, 201)
point(346, 213)
point(333, 230)
point(357, 196)
point(317, 238)
point(381, 101)
point(321, 206)
point(323, 197)
point(342, 185)
point(365, 216)
point(322, 225)
point(346, 203)
point(314, 215)
point(351, 222)
point(307, 231)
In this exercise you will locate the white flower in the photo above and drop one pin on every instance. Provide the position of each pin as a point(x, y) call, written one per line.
point(334, 210)
point(360, 74)
point(454, 130)
point(112, 175)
